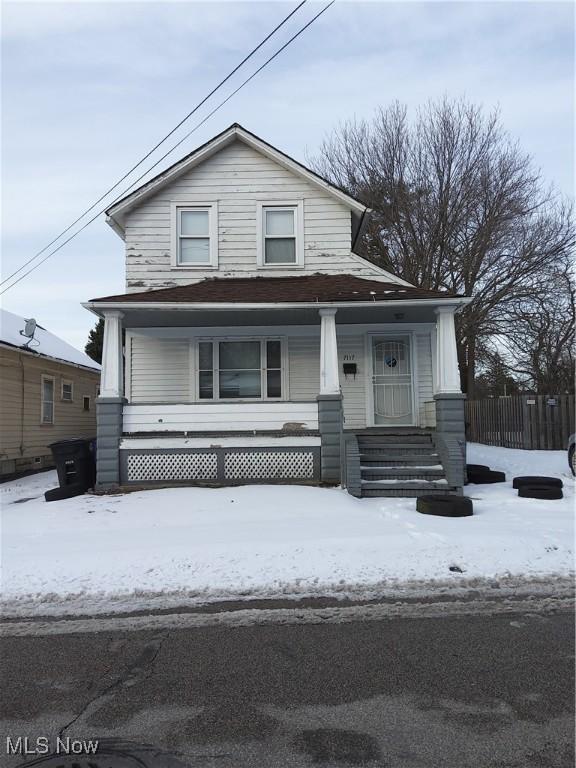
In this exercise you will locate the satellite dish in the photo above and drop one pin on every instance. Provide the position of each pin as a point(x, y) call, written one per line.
point(29, 329)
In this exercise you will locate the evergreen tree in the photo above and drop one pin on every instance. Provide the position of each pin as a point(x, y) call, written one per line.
point(93, 347)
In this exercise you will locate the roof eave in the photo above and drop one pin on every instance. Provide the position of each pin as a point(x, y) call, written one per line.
point(101, 306)
point(61, 360)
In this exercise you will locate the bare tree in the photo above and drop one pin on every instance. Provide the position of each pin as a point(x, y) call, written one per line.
point(456, 206)
point(541, 335)
point(495, 379)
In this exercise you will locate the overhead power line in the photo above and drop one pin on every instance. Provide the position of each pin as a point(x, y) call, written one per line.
point(127, 189)
point(159, 144)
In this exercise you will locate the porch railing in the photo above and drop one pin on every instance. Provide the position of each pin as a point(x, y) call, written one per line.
point(221, 417)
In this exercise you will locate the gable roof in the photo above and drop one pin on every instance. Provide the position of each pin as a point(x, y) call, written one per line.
point(116, 213)
point(44, 343)
point(310, 289)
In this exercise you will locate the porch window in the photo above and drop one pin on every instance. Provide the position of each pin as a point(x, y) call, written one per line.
point(205, 370)
point(239, 373)
point(237, 370)
point(196, 237)
point(274, 368)
point(280, 242)
point(47, 402)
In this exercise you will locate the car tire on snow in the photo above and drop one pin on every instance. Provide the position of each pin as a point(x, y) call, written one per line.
point(485, 478)
point(444, 505)
point(549, 482)
point(477, 468)
point(540, 492)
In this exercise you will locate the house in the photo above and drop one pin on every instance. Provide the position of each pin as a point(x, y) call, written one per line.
point(48, 392)
point(259, 346)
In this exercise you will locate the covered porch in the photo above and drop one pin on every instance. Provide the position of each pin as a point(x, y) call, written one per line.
point(252, 393)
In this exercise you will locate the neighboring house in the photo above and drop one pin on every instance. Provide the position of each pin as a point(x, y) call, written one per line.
point(48, 392)
point(260, 347)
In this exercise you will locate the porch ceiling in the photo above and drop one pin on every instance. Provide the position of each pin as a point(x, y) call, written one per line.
point(199, 317)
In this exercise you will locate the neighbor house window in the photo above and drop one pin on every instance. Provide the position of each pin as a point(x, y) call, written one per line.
point(67, 391)
point(47, 402)
point(86, 403)
point(236, 370)
point(280, 242)
point(195, 242)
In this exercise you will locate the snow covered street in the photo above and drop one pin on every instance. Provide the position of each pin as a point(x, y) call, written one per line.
point(185, 546)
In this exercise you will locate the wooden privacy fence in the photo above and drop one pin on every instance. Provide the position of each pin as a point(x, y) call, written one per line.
point(524, 421)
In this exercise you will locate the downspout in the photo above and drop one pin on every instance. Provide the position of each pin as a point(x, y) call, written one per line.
point(359, 231)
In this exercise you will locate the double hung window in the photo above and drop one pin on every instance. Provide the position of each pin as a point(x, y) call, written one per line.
point(196, 240)
point(243, 369)
point(47, 401)
point(67, 391)
point(280, 235)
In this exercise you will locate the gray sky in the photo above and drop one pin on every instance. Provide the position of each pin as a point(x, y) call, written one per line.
point(90, 87)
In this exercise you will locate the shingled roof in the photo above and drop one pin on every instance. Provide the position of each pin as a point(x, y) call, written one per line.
point(315, 288)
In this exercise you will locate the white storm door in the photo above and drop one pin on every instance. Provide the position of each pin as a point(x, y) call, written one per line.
point(392, 384)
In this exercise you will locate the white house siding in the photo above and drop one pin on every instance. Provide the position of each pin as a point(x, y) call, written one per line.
point(304, 367)
point(352, 349)
point(160, 370)
point(424, 379)
point(237, 177)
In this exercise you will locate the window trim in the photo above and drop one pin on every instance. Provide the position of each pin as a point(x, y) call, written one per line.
point(67, 399)
point(45, 377)
point(298, 207)
point(176, 209)
point(215, 340)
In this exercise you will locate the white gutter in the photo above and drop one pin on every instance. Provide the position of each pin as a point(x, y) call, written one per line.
point(95, 306)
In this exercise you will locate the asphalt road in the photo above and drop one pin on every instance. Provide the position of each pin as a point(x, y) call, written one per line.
point(481, 691)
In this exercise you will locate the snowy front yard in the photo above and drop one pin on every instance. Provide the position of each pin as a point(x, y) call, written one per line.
point(175, 547)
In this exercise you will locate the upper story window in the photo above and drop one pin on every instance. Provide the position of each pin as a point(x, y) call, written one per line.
point(281, 235)
point(195, 236)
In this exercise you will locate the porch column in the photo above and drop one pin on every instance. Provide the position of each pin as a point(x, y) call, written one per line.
point(330, 418)
point(110, 403)
point(447, 375)
point(329, 381)
point(450, 418)
point(112, 377)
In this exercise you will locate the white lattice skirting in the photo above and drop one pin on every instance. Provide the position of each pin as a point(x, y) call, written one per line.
point(273, 465)
point(172, 466)
point(220, 466)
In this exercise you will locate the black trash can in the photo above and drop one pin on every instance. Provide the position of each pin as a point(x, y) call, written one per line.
point(76, 468)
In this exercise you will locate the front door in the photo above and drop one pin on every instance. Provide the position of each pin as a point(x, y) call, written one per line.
point(392, 381)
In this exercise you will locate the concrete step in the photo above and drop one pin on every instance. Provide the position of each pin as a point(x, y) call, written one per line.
point(406, 492)
point(402, 473)
point(399, 460)
point(391, 439)
point(393, 448)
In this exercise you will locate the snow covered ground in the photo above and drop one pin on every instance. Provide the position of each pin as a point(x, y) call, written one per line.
point(184, 546)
